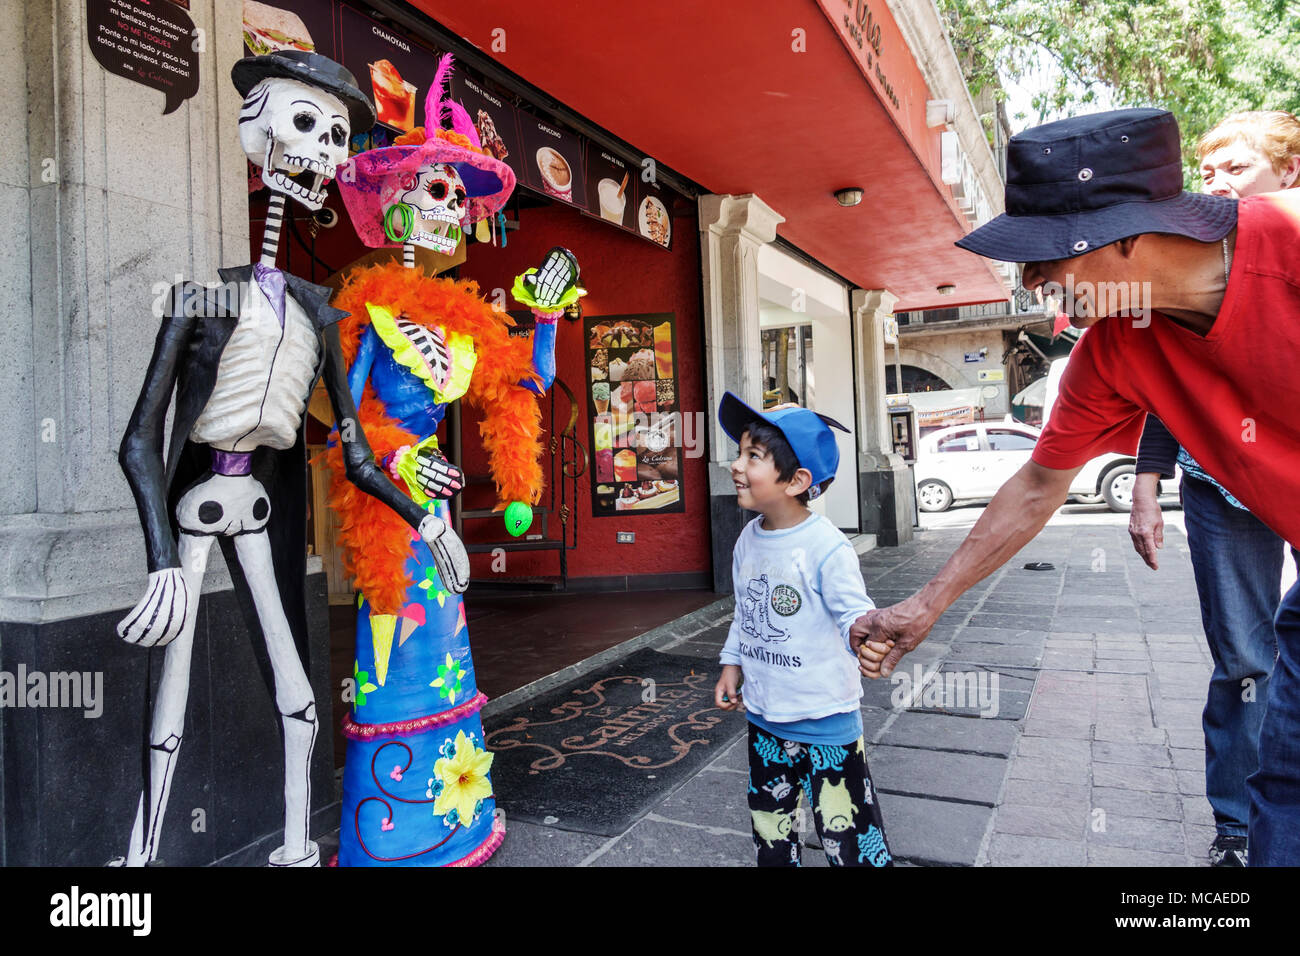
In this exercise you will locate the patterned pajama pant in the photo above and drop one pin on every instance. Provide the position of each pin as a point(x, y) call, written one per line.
point(835, 781)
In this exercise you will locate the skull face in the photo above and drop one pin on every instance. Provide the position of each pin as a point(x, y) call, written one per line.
point(436, 196)
point(298, 134)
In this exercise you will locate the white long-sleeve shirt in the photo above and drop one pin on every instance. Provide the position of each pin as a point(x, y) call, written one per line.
point(798, 591)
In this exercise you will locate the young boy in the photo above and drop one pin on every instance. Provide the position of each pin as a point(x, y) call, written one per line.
point(798, 591)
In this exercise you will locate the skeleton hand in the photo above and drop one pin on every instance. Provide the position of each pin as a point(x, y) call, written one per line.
point(553, 284)
point(160, 616)
point(438, 477)
point(448, 553)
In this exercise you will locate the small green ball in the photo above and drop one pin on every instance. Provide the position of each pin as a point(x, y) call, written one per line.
point(519, 518)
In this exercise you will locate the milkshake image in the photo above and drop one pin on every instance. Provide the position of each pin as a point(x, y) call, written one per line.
point(613, 201)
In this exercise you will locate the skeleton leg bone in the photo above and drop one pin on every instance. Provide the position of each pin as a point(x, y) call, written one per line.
point(169, 710)
point(293, 699)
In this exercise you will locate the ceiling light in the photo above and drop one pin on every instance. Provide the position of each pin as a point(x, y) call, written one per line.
point(946, 289)
point(850, 196)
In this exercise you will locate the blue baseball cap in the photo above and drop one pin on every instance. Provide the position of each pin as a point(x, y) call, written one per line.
point(808, 433)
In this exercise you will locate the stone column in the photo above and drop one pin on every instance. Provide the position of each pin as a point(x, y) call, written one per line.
point(733, 228)
point(885, 483)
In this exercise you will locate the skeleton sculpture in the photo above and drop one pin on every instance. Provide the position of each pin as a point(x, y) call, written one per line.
point(416, 790)
point(242, 361)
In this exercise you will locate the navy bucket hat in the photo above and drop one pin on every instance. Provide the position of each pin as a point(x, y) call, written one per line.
point(1082, 183)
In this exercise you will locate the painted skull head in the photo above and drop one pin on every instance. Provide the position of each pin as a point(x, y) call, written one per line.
point(298, 134)
point(436, 208)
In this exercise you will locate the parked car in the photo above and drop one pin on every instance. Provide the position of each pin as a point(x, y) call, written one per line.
point(971, 462)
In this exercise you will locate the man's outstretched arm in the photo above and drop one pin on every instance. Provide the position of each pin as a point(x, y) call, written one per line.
point(1018, 512)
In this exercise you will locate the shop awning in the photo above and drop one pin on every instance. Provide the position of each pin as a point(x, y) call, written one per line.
point(719, 93)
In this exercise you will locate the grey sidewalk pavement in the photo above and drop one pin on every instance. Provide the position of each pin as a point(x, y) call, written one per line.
point(1095, 754)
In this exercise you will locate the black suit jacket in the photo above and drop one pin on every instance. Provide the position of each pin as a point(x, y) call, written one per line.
point(197, 324)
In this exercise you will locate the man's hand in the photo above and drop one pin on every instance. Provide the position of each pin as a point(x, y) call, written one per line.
point(726, 693)
point(886, 634)
point(1146, 524)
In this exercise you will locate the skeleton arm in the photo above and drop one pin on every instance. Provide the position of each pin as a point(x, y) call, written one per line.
point(159, 616)
point(359, 465)
point(548, 290)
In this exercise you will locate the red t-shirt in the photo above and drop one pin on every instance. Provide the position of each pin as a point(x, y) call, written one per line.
point(1232, 398)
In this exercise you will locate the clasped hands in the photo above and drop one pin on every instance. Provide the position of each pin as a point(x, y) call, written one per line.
point(882, 636)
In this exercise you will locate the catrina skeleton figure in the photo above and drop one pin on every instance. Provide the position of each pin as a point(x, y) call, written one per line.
point(242, 361)
point(416, 788)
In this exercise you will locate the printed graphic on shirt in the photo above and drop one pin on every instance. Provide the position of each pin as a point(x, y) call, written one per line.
point(786, 600)
point(754, 619)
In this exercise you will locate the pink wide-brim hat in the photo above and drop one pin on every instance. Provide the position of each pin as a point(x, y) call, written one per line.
point(368, 180)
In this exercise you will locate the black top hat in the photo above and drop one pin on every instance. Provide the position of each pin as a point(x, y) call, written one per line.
point(313, 69)
point(1082, 183)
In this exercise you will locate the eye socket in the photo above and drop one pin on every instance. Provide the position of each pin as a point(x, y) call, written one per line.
point(339, 134)
point(460, 195)
point(305, 122)
point(438, 189)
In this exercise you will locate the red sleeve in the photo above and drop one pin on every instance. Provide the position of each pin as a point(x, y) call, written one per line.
point(1089, 418)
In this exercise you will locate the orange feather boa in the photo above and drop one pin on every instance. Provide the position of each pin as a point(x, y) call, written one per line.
point(376, 541)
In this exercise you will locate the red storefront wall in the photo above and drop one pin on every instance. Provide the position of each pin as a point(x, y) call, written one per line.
point(623, 275)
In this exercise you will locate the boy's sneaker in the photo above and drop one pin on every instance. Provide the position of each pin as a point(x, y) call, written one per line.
point(1228, 850)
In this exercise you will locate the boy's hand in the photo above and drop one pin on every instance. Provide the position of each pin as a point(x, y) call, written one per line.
point(726, 693)
point(870, 655)
point(887, 634)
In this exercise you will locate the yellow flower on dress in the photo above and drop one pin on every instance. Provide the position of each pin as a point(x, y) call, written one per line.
point(464, 779)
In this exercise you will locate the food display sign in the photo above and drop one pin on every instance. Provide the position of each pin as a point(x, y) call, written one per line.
point(653, 218)
point(611, 189)
point(552, 160)
point(636, 416)
point(305, 25)
point(393, 68)
point(494, 119)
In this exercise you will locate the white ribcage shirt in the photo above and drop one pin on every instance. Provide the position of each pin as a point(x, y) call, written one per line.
point(263, 379)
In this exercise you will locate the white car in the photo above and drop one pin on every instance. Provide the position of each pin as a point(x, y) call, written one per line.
point(971, 462)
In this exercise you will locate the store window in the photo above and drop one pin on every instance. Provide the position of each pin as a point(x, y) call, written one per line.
point(787, 365)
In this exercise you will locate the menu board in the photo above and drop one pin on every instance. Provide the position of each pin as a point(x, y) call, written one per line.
point(495, 120)
point(636, 418)
point(391, 67)
point(552, 160)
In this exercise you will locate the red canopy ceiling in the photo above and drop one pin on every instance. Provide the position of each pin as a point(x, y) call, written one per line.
point(716, 92)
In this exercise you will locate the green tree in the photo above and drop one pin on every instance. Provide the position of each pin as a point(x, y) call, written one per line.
point(1199, 59)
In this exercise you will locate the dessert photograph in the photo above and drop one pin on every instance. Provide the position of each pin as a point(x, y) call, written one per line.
point(641, 365)
point(654, 222)
point(488, 135)
point(665, 393)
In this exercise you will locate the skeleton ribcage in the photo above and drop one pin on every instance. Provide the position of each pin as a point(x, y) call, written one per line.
point(432, 346)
